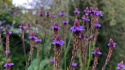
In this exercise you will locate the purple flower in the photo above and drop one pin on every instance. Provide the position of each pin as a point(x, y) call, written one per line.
point(47, 14)
point(83, 17)
point(22, 26)
point(65, 22)
point(8, 64)
point(87, 20)
point(29, 25)
point(77, 11)
point(8, 26)
point(53, 15)
point(62, 13)
point(7, 31)
point(97, 25)
point(58, 41)
point(88, 39)
point(97, 52)
point(74, 64)
point(2, 22)
point(120, 65)
point(81, 35)
point(7, 52)
point(41, 13)
point(99, 13)
point(52, 61)
point(1, 28)
point(38, 40)
point(87, 11)
point(111, 43)
point(36, 21)
point(56, 26)
point(32, 37)
point(77, 27)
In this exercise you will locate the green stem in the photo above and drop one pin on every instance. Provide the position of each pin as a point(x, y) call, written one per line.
point(65, 56)
point(90, 55)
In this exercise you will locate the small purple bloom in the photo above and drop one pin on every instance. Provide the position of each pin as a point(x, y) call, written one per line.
point(32, 37)
point(8, 26)
point(36, 21)
point(97, 25)
point(88, 39)
point(99, 13)
point(111, 43)
point(81, 35)
point(120, 65)
point(22, 26)
point(47, 14)
point(2, 22)
point(97, 52)
point(7, 52)
point(29, 25)
point(87, 20)
point(8, 64)
point(74, 64)
point(83, 17)
point(62, 13)
point(41, 13)
point(1, 28)
point(77, 27)
point(38, 40)
point(77, 11)
point(7, 31)
point(56, 26)
point(53, 15)
point(52, 61)
point(65, 22)
point(58, 41)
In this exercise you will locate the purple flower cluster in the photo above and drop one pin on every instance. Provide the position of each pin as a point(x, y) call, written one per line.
point(36, 21)
point(87, 11)
point(77, 27)
point(74, 64)
point(62, 13)
point(111, 43)
point(2, 22)
point(52, 61)
point(56, 26)
point(97, 25)
point(7, 31)
point(65, 22)
point(120, 65)
point(89, 38)
point(53, 15)
point(1, 28)
point(58, 41)
point(47, 14)
point(87, 19)
point(38, 40)
point(41, 13)
point(77, 11)
point(7, 52)
point(22, 26)
point(81, 35)
point(83, 17)
point(32, 37)
point(97, 52)
point(29, 25)
point(8, 64)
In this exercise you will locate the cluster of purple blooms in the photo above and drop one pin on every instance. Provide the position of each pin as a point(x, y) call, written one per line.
point(56, 26)
point(111, 43)
point(52, 61)
point(7, 31)
point(8, 64)
point(65, 22)
point(58, 41)
point(97, 25)
point(77, 27)
point(120, 65)
point(62, 13)
point(97, 52)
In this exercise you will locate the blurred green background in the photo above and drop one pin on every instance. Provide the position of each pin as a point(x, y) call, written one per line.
point(113, 26)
